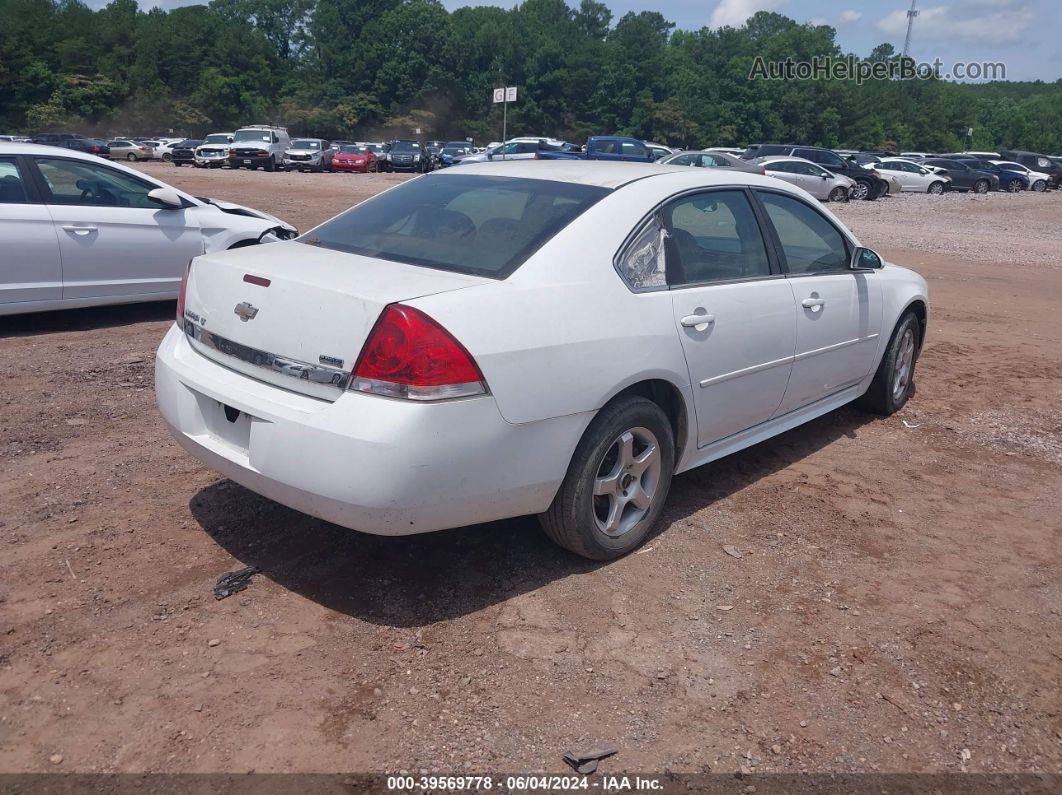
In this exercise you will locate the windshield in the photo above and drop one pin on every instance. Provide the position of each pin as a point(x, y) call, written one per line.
point(245, 136)
point(481, 225)
point(405, 146)
point(353, 150)
point(454, 150)
point(374, 147)
point(189, 144)
point(217, 138)
point(305, 143)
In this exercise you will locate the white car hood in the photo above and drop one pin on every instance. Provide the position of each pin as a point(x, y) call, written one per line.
point(239, 208)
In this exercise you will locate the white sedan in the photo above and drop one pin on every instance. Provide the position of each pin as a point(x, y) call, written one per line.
point(1038, 180)
point(552, 338)
point(816, 180)
point(912, 176)
point(78, 231)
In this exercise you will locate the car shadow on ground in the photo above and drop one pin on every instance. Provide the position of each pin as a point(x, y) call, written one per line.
point(93, 317)
point(414, 581)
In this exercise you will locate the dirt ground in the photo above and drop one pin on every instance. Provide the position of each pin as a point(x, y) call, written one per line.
point(896, 606)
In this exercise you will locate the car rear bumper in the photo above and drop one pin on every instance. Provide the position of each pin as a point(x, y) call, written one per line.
point(383, 466)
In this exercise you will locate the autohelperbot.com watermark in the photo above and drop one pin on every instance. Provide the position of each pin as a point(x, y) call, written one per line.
point(849, 67)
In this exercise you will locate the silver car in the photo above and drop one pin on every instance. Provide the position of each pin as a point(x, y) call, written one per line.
point(816, 180)
point(700, 159)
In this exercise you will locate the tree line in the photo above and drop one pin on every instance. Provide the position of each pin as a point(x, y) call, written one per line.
point(375, 68)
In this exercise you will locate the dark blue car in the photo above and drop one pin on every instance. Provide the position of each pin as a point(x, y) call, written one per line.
point(1010, 181)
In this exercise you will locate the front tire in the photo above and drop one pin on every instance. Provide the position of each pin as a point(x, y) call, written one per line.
point(617, 482)
point(894, 381)
point(862, 190)
point(936, 188)
point(167, 156)
point(1039, 186)
point(981, 186)
point(838, 194)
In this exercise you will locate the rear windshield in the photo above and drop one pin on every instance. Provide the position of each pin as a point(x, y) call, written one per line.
point(482, 225)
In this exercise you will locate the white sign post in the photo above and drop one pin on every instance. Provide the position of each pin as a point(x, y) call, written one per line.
point(505, 96)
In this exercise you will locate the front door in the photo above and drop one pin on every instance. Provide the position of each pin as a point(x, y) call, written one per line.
point(733, 312)
point(838, 310)
point(114, 240)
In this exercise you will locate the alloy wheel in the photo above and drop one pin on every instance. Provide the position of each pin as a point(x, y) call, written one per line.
point(860, 191)
point(627, 480)
point(901, 379)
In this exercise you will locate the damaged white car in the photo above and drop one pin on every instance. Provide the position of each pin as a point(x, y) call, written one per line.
point(78, 231)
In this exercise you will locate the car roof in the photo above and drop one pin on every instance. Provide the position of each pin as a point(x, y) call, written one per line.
point(11, 148)
point(603, 174)
point(779, 158)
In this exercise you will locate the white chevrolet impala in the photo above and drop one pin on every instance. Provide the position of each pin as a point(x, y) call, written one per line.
point(551, 338)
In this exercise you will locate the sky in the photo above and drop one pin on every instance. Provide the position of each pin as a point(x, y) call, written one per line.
point(1023, 34)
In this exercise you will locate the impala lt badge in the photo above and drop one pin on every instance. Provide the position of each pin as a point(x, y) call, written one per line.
point(246, 311)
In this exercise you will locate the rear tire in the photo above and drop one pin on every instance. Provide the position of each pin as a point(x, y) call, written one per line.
point(1014, 186)
point(894, 380)
point(131, 157)
point(617, 482)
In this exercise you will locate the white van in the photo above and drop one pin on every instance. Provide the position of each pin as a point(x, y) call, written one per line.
point(259, 145)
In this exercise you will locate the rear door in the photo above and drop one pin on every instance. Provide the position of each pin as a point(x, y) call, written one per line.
point(838, 310)
point(114, 241)
point(30, 268)
point(734, 311)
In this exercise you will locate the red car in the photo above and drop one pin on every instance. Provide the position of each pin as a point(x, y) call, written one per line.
point(351, 157)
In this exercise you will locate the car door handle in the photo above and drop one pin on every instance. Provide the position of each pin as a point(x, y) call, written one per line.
point(813, 303)
point(79, 229)
point(696, 321)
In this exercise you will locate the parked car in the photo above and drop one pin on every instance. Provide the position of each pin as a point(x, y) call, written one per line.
point(963, 177)
point(309, 154)
point(1036, 162)
point(659, 151)
point(214, 151)
point(259, 146)
point(407, 156)
point(453, 150)
point(183, 153)
point(816, 180)
point(604, 147)
point(352, 157)
point(913, 177)
point(516, 149)
point(54, 139)
point(1010, 181)
point(706, 159)
point(122, 149)
point(90, 146)
point(437, 389)
point(164, 150)
point(727, 150)
point(14, 139)
point(1038, 180)
point(82, 232)
point(869, 183)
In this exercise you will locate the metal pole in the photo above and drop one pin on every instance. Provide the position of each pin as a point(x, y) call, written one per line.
point(505, 116)
point(910, 23)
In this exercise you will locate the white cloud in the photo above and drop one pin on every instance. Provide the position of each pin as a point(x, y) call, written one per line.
point(1000, 22)
point(849, 15)
point(735, 12)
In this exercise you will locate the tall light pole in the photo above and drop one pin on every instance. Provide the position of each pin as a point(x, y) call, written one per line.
point(910, 24)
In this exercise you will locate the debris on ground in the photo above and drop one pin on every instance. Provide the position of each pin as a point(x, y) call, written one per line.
point(585, 762)
point(233, 581)
point(732, 551)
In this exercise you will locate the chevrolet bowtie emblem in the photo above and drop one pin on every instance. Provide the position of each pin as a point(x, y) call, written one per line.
point(246, 311)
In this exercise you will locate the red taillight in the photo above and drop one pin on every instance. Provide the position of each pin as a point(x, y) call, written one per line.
point(409, 355)
point(181, 294)
point(763, 171)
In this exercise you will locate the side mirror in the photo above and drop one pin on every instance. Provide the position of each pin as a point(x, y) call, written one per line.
point(167, 197)
point(824, 176)
point(865, 259)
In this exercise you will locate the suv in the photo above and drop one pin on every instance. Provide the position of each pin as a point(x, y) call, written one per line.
point(259, 145)
point(869, 183)
point(309, 154)
point(405, 155)
point(1036, 162)
point(214, 151)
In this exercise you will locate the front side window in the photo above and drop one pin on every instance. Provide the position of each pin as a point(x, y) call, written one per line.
point(632, 149)
point(78, 182)
point(482, 225)
point(714, 237)
point(811, 244)
point(681, 160)
point(12, 187)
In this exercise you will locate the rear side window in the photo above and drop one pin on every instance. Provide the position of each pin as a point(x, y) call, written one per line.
point(12, 188)
point(715, 238)
point(481, 225)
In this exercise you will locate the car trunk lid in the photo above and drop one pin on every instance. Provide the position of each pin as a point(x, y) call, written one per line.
point(297, 316)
